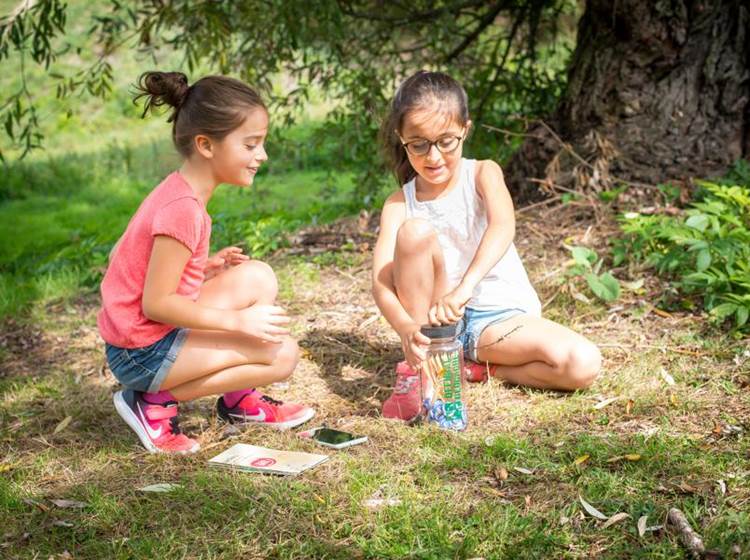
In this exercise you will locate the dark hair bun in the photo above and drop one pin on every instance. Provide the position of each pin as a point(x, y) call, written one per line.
point(162, 88)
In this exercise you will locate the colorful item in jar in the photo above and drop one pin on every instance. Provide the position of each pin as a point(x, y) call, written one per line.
point(442, 391)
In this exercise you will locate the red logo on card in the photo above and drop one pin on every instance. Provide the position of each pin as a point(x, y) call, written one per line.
point(263, 462)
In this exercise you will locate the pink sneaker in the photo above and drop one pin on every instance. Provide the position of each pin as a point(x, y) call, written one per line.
point(477, 373)
point(155, 425)
point(405, 402)
point(257, 408)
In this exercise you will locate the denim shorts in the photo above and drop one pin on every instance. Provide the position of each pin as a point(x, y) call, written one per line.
point(145, 369)
point(474, 323)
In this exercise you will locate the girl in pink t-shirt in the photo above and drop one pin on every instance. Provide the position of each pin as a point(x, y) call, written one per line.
point(180, 324)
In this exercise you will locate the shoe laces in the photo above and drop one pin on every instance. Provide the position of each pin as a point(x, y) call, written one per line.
point(175, 425)
point(271, 401)
point(174, 422)
point(404, 383)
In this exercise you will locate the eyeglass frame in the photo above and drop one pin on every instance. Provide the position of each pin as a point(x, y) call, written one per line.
point(433, 143)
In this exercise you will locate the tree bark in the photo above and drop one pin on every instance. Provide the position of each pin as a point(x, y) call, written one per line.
point(657, 91)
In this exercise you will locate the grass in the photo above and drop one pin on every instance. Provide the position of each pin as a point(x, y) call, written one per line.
point(60, 244)
point(509, 487)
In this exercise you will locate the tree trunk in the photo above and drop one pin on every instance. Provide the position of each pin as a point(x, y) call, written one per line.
point(657, 91)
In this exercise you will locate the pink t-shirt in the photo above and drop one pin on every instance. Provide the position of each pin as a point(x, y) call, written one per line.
point(171, 209)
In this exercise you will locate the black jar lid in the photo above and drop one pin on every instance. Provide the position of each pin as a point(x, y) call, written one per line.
point(450, 330)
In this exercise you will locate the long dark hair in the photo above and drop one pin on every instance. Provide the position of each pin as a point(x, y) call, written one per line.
point(419, 91)
point(214, 105)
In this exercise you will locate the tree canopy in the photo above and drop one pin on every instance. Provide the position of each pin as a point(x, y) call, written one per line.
point(355, 52)
point(512, 56)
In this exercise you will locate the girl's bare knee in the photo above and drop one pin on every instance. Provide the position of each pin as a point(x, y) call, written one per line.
point(414, 233)
point(286, 359)
point(257, 278)
point(583, 364)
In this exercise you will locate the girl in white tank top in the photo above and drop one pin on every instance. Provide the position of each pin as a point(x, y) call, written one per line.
point(445, 254)
point(460, 219)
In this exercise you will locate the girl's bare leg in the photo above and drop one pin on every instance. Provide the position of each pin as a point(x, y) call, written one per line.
point(213, 362)
point(418, 268)
point(541, 353)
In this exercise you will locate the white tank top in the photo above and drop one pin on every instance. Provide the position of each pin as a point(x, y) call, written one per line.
point(460, 220)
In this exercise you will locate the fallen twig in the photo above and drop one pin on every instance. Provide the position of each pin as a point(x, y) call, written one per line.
point(540, 203)
point(690, 538)
point(551, 185)
point(345, 274)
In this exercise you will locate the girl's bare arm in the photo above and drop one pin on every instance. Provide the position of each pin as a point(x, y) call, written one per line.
point(501, 223)
point(163, 304)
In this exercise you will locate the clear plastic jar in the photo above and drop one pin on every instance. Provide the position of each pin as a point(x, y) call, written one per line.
point(442, 385)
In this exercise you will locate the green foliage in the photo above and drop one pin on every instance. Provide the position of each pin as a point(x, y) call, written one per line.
point(268, 234)
point(611, 194)
point(58, 249)
point(28, 30)
point(703, 254)
point(587, 264)
point(510, 56)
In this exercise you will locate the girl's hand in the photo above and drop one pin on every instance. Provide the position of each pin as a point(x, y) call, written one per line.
point(223, 259)
point(414, 344)
point(265, 322)
point(450, 307)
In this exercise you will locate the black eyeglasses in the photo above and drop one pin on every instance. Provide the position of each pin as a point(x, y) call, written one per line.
point(445, 145)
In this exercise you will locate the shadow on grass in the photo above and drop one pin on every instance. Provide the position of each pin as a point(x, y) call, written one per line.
point(353, 366)
point(96, 460)
point(60, 439)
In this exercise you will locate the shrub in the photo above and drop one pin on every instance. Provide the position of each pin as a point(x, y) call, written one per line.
point(703, 253)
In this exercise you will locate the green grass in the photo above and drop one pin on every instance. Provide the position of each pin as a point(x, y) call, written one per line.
point(451, 501)
point(447, 509)
point(65, 213)
point(62, 210)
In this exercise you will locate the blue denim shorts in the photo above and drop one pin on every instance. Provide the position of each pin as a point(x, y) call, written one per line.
point(145, 369)
point(474, 323)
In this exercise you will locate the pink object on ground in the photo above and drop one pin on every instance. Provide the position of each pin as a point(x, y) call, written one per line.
point(406, 402)
point(155, 425)
point(255, 407)
point(477, 373)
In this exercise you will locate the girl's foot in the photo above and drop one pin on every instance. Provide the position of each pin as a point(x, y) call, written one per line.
point(257, 408)
point(405, 402)
point(477, 373)
point(156, 425)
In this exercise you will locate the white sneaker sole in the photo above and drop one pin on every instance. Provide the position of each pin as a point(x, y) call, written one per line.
point(126, 413)
point(309, 413)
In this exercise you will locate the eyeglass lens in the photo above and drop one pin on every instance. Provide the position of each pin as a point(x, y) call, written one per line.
point(444, 145)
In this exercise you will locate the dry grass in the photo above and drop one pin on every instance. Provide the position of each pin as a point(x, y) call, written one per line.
point(53, 367)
